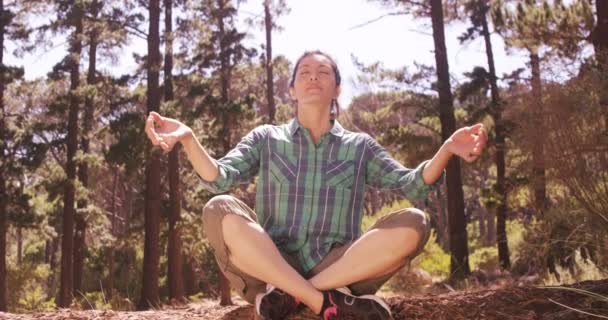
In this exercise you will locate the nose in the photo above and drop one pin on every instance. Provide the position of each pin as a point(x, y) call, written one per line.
point(313, 76)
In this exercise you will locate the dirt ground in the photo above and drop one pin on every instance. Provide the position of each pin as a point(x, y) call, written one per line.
point(510, 302)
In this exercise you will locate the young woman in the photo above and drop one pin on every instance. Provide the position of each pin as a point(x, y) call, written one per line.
point(302, 245)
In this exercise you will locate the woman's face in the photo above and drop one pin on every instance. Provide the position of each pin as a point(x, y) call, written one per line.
point(315, 81)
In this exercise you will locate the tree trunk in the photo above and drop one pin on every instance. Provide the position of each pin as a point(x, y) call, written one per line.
point(149, 292)
point(538, 156)
point(501, 231)
point(459, 266)
point(53, 247)
point(190, 280)
point(67, 245)
point(225, 298)
point(19, 245)
point(83, 170)
point(110, 250)
point(3, 195)
point(600, 44)
point(600, 39)
point(269, 73)
point(174, 247)
point(224, 79)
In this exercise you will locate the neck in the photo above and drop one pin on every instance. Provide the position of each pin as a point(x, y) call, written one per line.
point(315, 119)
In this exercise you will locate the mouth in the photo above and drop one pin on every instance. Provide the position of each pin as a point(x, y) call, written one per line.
point(313, 88)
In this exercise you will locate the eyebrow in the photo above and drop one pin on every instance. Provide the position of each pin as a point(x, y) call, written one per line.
point(309, 66)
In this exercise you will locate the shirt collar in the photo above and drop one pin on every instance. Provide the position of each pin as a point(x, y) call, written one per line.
point(337, 129)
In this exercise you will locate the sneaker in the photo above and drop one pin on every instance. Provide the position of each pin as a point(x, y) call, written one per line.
point(274, 304)
point(344, 305)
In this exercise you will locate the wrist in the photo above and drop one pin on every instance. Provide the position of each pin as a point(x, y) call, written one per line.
point(187, 138)
point(448, 147)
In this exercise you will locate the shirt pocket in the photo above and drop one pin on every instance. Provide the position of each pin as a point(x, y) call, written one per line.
point(282, 169)
point(339, 173)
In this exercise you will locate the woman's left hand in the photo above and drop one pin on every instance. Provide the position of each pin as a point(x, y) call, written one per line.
point(468, 142)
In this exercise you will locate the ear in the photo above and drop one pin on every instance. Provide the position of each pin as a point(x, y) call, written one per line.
point(338, 90)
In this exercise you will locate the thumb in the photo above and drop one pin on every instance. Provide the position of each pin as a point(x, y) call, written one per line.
point(157, 118)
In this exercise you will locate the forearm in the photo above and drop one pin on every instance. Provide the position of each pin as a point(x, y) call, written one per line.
point(201, 161)
point(434, 168)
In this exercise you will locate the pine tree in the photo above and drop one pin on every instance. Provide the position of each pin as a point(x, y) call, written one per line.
point(74, 18)
point(174, 247)
point(272, 10)
point(478, 12)
point(534, 26)
point(11, 29)
point(149, 292)
point(459, 267)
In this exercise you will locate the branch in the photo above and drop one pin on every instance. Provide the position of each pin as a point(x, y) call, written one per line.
point(398, 13)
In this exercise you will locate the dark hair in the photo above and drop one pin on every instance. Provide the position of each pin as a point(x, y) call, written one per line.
point(334, 103)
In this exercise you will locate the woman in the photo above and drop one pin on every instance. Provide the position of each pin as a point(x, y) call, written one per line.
point(303, 245)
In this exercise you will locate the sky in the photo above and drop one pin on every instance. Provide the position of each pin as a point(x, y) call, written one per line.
point(396, 41)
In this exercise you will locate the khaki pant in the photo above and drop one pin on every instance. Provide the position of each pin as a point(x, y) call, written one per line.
point(248, 287)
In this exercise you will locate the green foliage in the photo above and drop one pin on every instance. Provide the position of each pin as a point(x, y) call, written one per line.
point(433, 259)
point(485, 258)
point(93, 300)
point(27, 285)
point(553, 244)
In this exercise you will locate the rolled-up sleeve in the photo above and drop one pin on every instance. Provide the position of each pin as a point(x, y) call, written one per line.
point(384, 172)
point(240, 165)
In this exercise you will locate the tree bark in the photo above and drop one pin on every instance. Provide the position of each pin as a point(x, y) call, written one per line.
point(174, 247)
point(600, 44)
point(538, 153)
point(269, 73)
point(110, 250)
point(83, 169)
point(501, 214)
point(149, 293)
point(19, 245)
point(67, 245)
point(3, 195)
point(225, 297)
point(600, 39)
point(459, 266)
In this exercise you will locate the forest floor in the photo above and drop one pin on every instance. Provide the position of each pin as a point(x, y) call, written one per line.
point(584, 300)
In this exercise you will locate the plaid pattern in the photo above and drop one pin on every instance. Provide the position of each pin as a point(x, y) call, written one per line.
point(309, 196)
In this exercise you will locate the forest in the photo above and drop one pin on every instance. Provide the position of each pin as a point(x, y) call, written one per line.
point(96, 222)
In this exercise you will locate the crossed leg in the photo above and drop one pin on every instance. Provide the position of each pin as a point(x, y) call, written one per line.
point(379, 252)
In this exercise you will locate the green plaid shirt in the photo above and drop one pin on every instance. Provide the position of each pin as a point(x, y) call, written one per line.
point(310, 197)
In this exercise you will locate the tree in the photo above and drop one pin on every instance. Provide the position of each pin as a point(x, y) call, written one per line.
point(600, 43)
point(149, 292)
point(219, 51)
point(478, 11)
point(271, 10)
point(74, 18)
point(13, 29)
point(459, 266)
point(536, 26)
point(83, 168)
point(174, 247)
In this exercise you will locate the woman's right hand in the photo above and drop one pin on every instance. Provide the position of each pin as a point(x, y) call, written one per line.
point(165, 132)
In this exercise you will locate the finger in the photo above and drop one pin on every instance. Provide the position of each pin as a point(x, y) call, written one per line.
point(157, 118)
point(475, 129)
point(150, 132)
